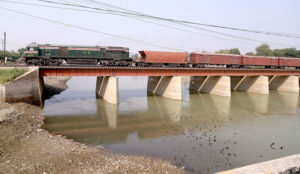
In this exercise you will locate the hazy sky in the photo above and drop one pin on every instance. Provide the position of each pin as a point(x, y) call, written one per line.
point(266, 15)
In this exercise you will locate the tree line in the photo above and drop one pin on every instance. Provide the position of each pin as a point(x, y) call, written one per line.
point(265, 50)
point(12, 55)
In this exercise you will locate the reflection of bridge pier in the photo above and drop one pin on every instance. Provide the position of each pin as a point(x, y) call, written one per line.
point(164, 107)
point(109, 111)
point(210, 105)
point(288, 101)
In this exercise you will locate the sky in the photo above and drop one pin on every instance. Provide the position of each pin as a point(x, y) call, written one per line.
point(264, 15)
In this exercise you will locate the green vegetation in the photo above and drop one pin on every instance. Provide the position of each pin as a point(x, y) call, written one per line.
point(230, 51)
point(12, 55)
point(7, 75)
point(265, 50)
point(250, 54)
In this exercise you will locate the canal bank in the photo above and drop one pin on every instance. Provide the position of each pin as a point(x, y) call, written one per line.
point(27, 148)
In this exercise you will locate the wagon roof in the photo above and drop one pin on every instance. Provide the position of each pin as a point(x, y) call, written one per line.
point(269, 57)
point(215, 54)
point(33, 44)
point(165, 54)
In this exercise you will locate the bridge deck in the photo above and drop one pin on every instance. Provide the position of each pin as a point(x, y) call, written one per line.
point(156, 71)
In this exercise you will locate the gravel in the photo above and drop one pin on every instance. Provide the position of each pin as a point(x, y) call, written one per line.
point(27, 148)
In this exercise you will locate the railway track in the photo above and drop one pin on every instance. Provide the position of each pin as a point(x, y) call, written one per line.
point(150, 68)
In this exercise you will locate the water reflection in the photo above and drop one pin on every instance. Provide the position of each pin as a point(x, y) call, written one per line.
point(162, 106)
point(205, 133)
point(110, 113)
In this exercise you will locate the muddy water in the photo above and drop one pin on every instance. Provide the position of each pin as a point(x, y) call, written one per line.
point(203, 133)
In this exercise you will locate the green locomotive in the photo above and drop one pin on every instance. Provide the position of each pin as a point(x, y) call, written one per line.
point(39, 54)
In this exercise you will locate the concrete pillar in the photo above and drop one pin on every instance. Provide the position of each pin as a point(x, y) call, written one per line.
point(254, 84)
point(285, 83)
point(217, 85)
point(108, 89)
point(167, 86)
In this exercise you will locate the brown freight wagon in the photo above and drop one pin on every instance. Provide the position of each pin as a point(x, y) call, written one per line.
point(289, 62)
point(259, 61)
point(162, 58)
point(215, 59)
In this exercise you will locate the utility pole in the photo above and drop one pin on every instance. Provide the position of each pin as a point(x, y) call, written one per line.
point(4, 47)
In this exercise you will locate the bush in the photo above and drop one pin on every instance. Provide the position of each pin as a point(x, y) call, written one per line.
point(7, 75)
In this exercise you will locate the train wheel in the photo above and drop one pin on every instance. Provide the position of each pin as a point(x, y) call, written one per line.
point(29, 63)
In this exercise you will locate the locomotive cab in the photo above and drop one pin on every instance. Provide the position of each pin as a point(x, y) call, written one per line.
point(31, 53)
point(31, 50)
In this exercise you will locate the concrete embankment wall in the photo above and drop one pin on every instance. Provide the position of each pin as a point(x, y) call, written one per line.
point(27, 88)
point(286, 165)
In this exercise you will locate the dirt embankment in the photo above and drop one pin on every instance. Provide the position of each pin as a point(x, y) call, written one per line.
point(26, 148)
point(54, 85)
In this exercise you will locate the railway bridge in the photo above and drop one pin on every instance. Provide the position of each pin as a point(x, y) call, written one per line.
point(167, 81)
point(161, 81)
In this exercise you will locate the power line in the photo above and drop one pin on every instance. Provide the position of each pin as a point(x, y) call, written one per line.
point(209, 25)
point(180, 21)
point(90, 30)
point(181, 24)
point(168, 26)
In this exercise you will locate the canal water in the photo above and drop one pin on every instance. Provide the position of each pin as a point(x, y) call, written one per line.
point(203, 133)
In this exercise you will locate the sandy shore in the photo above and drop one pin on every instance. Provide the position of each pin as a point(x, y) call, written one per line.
point(27, 148)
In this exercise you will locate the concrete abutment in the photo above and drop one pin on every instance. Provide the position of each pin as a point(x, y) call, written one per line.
point(27, 88)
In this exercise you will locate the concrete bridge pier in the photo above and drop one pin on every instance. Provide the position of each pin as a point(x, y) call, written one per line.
point(166, 86)
point(284, 83)
point(108, 88)
point(253, 84)
point(217, 85)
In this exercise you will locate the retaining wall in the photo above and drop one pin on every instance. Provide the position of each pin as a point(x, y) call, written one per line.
point(27, 88)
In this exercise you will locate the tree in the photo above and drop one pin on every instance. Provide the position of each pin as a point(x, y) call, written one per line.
point(250, 54)
point(223, 52)
point(264, 50)
point(21, 51)
point(234, 51)
point(286, 52)
point(230, 51)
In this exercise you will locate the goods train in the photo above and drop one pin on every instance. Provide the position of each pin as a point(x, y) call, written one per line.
point(119, 56)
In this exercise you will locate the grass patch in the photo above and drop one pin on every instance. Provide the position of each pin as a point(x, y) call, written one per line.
point(7, 75)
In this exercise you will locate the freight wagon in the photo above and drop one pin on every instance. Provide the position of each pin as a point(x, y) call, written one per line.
point(289, 62)
point(157, 58)
point(47, 54)
point(203, 59)
point(267, 62)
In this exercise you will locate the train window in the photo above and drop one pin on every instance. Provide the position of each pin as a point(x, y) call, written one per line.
point(47, 53)
point(31, 49)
